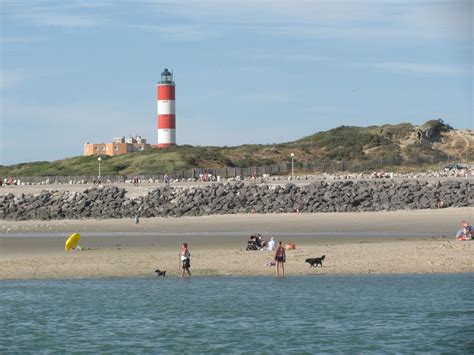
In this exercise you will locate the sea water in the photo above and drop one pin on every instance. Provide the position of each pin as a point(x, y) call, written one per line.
point(295, 314)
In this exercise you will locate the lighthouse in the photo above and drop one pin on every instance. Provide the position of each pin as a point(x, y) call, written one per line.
point(166, 110)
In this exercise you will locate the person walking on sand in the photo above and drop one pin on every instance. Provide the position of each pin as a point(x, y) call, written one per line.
point(137, 219)
point(280, 258)
point(185, 260)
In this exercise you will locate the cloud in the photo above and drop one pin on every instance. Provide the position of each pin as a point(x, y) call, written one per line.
point(420, 68)
point(177, 32)
point(353, 19)
point(10, 79)
point(265, 97)
point(282, 54)
point(71, 14)
point(197, 20)
point(61, 130)
point(18, 39)
point(449, 18)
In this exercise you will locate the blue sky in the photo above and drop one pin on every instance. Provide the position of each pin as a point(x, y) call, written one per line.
point(246, 71)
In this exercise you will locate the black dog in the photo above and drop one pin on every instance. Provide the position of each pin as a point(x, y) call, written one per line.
point(160, 273)
point(315, 261)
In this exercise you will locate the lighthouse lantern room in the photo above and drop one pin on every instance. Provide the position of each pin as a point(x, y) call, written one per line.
point(166, 110)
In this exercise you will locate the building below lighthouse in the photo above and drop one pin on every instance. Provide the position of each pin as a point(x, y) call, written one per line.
point(166, 110)
point(119, 146)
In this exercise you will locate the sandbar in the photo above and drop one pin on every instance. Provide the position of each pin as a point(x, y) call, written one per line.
point(396, 242)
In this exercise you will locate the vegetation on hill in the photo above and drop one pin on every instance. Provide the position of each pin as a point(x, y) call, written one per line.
point(430, 142)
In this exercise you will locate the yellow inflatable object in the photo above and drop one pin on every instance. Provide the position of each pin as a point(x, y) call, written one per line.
point(71, 242)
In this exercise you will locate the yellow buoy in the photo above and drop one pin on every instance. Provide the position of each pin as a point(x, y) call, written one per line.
point(71, 242)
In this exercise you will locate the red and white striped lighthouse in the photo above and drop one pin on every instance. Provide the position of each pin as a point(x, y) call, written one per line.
point(166, 111)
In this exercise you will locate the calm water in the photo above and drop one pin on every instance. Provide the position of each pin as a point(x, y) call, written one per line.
point(403, 313)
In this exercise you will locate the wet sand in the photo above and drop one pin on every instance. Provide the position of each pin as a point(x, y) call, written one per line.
point(354, 243)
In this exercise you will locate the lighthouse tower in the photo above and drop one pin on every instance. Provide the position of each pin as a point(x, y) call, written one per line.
point(166, 111)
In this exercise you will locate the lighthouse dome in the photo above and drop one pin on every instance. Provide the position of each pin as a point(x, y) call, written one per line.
point(166, 77)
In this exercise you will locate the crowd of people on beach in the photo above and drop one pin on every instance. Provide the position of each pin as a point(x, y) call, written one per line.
point(256, 242)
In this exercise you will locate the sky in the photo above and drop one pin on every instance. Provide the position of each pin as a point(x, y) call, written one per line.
point(246, 71)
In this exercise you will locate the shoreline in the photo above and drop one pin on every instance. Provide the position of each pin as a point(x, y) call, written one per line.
point(146, 277)
point(386, 258)
point(217, 245)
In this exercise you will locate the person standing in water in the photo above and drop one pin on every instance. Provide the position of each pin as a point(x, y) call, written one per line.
point(185, 260)
point(280, 258)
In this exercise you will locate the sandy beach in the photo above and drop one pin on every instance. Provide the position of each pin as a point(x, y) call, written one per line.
point(354, 243)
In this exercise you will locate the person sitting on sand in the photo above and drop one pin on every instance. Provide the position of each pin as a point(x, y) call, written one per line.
point(466, 230)
point(185, 259)
point(271, 244)
point(280, 258)
point(251, 243)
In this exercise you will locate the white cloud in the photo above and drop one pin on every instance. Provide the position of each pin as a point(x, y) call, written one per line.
point(18, 39)
point(354, 19)
point(177, 32)
point(86, 116)
point(60, 20)
point(265, 97)
point(420, 68)
point(71, 14)
point(451, 18)
point(196, 20)
point(10, 79)
point(282, 54)
point(61, 130)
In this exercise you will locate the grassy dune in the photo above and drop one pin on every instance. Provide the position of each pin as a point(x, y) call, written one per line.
point(356, 145)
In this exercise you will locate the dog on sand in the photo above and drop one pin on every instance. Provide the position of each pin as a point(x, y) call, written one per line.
point(160, 273)
point(315, 261)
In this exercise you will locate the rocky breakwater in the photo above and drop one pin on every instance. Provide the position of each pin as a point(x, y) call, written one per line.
point(231, 198)
point(104, 202)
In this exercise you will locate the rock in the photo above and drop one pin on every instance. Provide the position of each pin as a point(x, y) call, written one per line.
point(235, 197)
